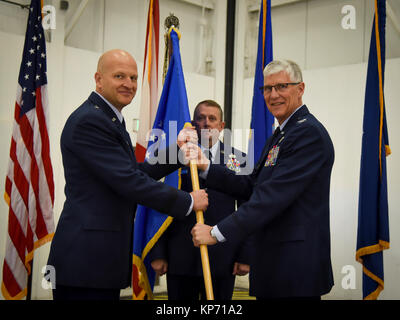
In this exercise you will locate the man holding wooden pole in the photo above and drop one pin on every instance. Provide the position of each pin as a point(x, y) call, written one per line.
point(174, 252)
point(288, 197)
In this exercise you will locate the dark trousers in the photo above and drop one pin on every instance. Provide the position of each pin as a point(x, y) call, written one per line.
point(191, 288)
point(77, 293)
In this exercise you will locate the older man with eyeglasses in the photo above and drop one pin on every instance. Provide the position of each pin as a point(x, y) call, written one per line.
point(287, 195)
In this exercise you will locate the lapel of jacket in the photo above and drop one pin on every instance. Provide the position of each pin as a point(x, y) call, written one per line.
point(300, 114)
point(220, 154)
point(99, 102)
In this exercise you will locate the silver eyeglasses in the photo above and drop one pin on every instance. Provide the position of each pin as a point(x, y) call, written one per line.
point(280, 87)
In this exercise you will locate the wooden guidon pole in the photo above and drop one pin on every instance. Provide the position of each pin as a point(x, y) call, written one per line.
point(200, 219)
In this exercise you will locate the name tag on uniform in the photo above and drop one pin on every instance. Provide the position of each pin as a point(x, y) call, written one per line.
point(272, 156)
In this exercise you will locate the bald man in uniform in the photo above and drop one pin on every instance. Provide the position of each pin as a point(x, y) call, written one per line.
point(92, 247)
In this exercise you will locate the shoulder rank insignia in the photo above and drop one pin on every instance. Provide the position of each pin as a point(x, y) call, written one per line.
point(233, 164)
point(272, 157)
point(301, 121)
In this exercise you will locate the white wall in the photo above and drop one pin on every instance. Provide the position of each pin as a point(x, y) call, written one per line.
point(310, 32)
point(335, 84)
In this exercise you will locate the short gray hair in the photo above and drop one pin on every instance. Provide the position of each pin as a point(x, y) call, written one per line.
point(290, 67)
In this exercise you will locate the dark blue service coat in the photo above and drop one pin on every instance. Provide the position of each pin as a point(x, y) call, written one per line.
point(287, 210)
point(92, 246)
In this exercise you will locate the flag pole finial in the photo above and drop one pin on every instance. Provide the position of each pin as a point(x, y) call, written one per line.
point(170, 21)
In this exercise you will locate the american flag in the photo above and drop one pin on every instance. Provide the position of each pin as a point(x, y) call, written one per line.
point(148, 108)
point(29, 188)
point(149, 101)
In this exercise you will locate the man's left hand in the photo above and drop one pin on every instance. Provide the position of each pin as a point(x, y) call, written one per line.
point(240, 269)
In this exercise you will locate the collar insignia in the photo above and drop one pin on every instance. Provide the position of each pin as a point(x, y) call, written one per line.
point(301, 121)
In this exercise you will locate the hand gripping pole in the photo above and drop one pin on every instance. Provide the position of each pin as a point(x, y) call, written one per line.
point(200, 219)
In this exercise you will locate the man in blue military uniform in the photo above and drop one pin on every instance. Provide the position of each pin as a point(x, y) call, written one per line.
point(92, 246)
point(287, 194)
point(174, 252)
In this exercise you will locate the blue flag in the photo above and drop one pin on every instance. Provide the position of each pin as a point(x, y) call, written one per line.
point(373, 221)
point(261, 119)
point(172, 114)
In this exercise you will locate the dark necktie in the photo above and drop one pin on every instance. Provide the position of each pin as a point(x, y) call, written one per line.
point(276, 133)
point(126, 135)
point(124, 132)
point(208, 154)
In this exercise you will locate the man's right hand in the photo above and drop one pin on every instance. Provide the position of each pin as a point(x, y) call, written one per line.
point(200, 200)
point(192, 151)
point(187, 135)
